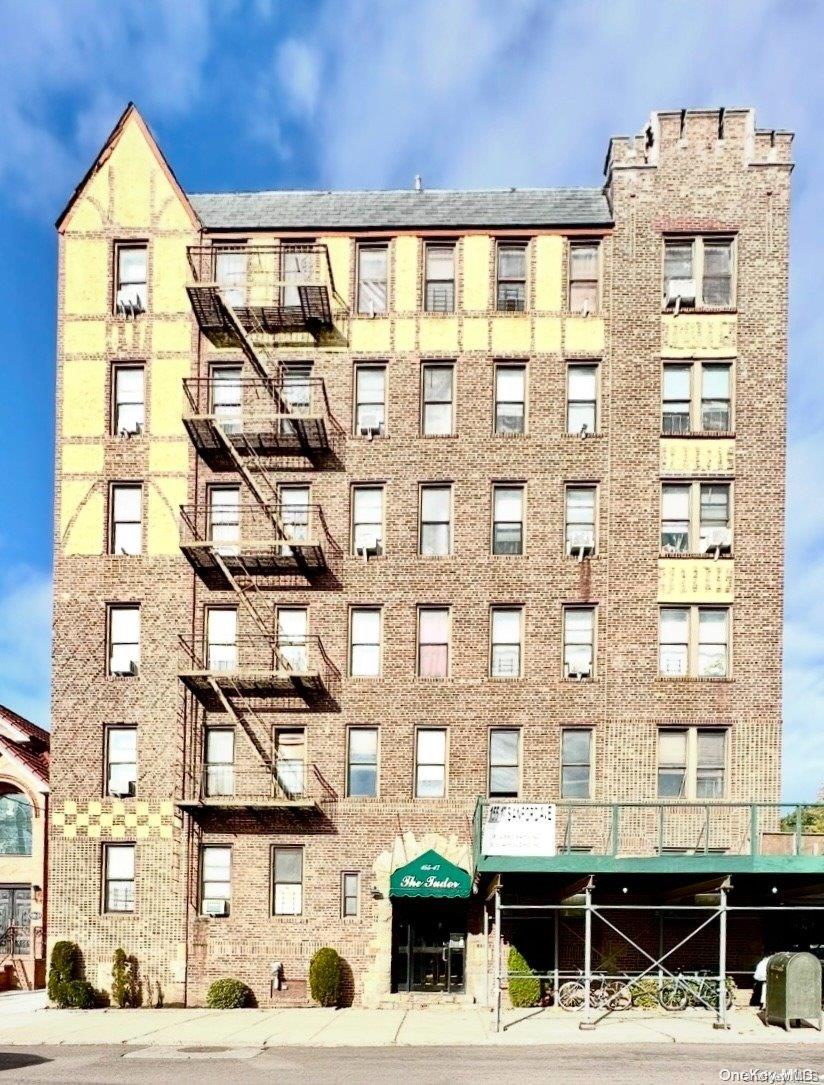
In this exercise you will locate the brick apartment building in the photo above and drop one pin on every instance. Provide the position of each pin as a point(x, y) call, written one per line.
point(370, 504)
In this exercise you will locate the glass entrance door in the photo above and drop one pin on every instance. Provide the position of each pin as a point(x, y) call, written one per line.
point(429, 947)
point(15, 920)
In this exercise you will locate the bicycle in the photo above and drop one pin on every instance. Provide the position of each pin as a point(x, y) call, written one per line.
point(700, 988)
point(603, 994)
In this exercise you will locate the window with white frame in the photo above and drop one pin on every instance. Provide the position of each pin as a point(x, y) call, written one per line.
point(118, 877)
point(437, 396)
point(295, 511)
point(691, 763)
point(215, 879)
point(132, 284)
point(433, 642)
point(439, 287)
point(695, 517)
point(697, 397)
point(226, 395)
point(365, 642)
point(231, 274)
point(430, 763)
point(584, 263)
point(223, 509)
point(128, 400)
point(510, 399)
point(579, 642)
point(506, 642)
point(290, 761)
point(504, 763)
point(579, 523)
point(694, 641)
point(367, 519)
point(221, 639)
point(121, 761)
point(350, 894)
point(124, 639)
point(576, 762)
point(362, 763)
point(370, 399)
point(287, 881)
point(292, 639)
point(436, 520)
point(700, 271)
point(126, 512)
point(511, 277)
point(508, 518)
point(373, 293)
point(219, 761)
point(582, 399)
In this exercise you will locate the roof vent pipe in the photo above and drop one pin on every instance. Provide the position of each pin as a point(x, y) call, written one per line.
point(418, 183)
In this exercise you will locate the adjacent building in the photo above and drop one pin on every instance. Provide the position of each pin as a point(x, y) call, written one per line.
point(382, 514)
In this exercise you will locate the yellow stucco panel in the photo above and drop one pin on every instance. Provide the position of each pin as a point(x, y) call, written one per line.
point(697, 456)
point(583, 335)
point(511, 335)
point(549, 256)
point(82, 459)
point(128, 337)
point(81, 517)
point(85, 276)
point(100, 819)
point(370, 335)
point(340, 258)
point(476, 257)
point(169, 457)
point(84, 337)
point(166, 396)
point(84, 393)
point(548, 334)
point(699, 335)
point(406, 274)
point(170, 273)
point(405, 335)
point(438, 335)
point(165, 496)
point(695, 580)
point(172, 336)
point(475, 333)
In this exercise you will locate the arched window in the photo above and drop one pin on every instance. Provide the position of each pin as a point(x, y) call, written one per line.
point(15, 822)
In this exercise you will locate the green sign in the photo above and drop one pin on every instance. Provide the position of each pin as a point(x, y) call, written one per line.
point(430, 875)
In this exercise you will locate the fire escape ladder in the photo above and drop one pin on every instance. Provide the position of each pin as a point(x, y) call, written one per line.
point(229, 708)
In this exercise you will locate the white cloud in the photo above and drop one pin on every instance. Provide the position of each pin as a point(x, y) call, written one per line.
point(299, 75)
point(25, 642)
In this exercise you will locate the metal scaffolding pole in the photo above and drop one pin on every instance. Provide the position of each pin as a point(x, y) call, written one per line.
point(587, 1021)
point(486, 955)
point(722, 1022)
point(557, 916)
point(498, 959)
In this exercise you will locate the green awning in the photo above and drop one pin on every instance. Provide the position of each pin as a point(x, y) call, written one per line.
point(430, 875)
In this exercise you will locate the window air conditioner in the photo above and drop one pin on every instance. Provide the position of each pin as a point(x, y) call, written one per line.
point(216, 907)
point(680, 292)
point(131, 431)
point(719, 540)
point(129, 671)
point(370, 550)
point(583, 672)
point(370, 431)
point(127, 792)
point(581, 545)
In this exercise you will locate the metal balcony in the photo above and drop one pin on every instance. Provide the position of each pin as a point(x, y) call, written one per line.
point(295, 786)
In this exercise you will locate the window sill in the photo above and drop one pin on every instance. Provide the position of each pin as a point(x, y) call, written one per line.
point(369, 440)
point(579, 681)
point(703, 434)
point(682, 679)
point(442, 313)
point(586, 437)
point(509, 436)
point(701, 310)
point(438, 436)
point(693, 555)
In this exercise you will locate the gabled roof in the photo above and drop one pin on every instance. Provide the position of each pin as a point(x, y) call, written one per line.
point(26, 742)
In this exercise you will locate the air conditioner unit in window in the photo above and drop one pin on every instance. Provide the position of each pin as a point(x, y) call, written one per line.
point(580, 545)
point(579, 674)
point(129, 671)
point(680, 292)
point(130, 307)
point(370, 431)
point(369, 550)
point(127, 791)
point(134, 430)
point(718, 541)
point(216, 907)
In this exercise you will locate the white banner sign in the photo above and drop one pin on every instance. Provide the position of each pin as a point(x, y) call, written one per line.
point(519, 829)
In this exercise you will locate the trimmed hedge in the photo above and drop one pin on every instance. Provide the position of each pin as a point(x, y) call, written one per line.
point(325, 976)
point(229, 994)
point(65, 965)
point(125, 980)
point(524, 985)
point(79, 995)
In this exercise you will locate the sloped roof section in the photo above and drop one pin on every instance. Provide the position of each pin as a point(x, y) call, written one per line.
point(25, 741)
point(402, 209)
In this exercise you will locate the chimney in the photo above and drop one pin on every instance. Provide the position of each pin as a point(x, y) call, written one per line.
point(418, 183)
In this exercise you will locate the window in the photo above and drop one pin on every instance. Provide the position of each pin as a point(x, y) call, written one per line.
point(362, 763)
point(365, 642)
point(370, 399)
point(507, 519)
point(576, 762)
point(294, 513)
point(694, 641)
point(292, 640)
point(350, 894)
point(118, 877)
point(430, 763)
point(582, 399)
point(504, 763)
point(697, 397)
point(290, 761)
point(367, 519)
point(439, 292)
point(126, 528)
point(297, 267)
point(579, 529)
point(700, 271)
point(691, 763)
point(714, 516)
point(510, 399)
point(579, 641)
point(227, 396)
point(438, 416)
point(287, 881)
point(296, 392)
point(124, 640)
point(15, 822)
point(507, 635)
point(132, 293)
point(373, 261)
point(511, 277)
point(695, 517)
point(231, 275)
point(675, 519)
point(121, 761)
point(436, 521)
point(215, 879)
point(433, 642)
point(128, 400)
point(676, 399)
point(219, 769)
point(224, 518)
point(715, 398)
point(583, 276)
point(221, 639)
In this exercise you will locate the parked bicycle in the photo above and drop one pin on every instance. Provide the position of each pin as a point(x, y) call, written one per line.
point(603, 993)
point(699, 989)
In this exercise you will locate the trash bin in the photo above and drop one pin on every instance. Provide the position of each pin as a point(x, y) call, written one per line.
point(793, 989)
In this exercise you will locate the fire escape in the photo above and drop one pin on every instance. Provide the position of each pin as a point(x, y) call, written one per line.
point(252, 418)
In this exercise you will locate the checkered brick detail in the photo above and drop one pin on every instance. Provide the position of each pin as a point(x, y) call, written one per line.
point(117, 820)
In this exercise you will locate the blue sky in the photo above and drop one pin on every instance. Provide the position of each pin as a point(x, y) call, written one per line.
point(257, 94)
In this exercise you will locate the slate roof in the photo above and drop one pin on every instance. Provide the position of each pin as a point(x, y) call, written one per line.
point(401, 209)
point(35, 752)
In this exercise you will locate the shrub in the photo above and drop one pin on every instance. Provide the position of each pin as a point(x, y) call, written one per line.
point(65, 965)
point(126, 981)
point(78, 994)
point(324, 976)
point(524, 985)
point(229, 994)
point(644, 993)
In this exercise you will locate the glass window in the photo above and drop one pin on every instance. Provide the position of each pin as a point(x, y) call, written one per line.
point(294, 513)
point(221, 639)
point(676, 399)
point(430, 763)
point(367, 519)
point(675, 519)
point(132, 292)
point(678, 266)
point(124, 640)
point(440, 278)
point(370, 399)
point(292, 640)
point(121, 761)
point(713, 654)
point(576, 756)
point(508, 520)
point(438, 408)
point(224, 517)
point(219, 770)
point(583, 277)
point(714, 516)
point(710, 762)
point(504, 763)
point(287, 881)
point(15, 822)
point(297, 264)
point(126, 531)
point(433, 642)
point(373, 262)
point(673, 641)
point(362, 763)
point(580, 518)
point(510, 399)
point(672, 764)
point(118, 893)
point(290, 761)
point(715, 398)
point(717, 281)
point(129, 407)
point(579, 641)
point(350, 894)
point(436, 521)
point(365, 652)
point(230, 275)
point(582, 396)
point(215, 879)
point(507, 634)
point(511, 277)
point(227, 396)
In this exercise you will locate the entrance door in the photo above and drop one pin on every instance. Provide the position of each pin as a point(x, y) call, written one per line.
point(15, 920)
point(429, 946)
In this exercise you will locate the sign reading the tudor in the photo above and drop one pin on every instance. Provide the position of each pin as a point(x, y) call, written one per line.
point(430, 875)
point(519, 829)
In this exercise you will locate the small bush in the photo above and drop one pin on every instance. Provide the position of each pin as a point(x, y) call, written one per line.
point(524, 986)
point(325, 976)
point(229, 994)
point(65, 965)
point(79, 995)
point(644, 993)
point(126, 981)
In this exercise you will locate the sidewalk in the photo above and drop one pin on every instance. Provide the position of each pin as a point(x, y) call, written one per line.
point(355, 1027)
